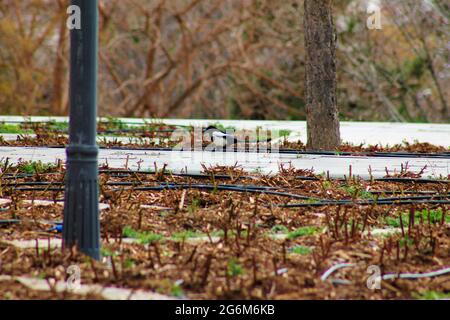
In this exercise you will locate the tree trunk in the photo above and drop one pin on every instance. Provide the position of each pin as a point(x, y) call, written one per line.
point(59, 75)
point(321, 105)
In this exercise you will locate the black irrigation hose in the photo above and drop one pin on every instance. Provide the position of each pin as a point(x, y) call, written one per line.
point(137, 183)
point(16, 177)
point(131, 126)
point(379, 201)
point(9, 176)
point(389, 179)
point(171, 186)
point(120, 183)
point(245, 189)
point(18, 221)
point(61, 189)
point(191, 175)
point(185, 175)
point(438, 196)
point(444, 155)
point(441, 155)
point(109, 131)
point(252, 187)
point(305, 178)
point(225, 187)
point(399, 192)
point(32, 183)
point(8, 222)
point(137, 131)
point(415, 180)
point(222, 176)
point(319, 203)
point(365, 203)
point(269, 190)
point(392, 179)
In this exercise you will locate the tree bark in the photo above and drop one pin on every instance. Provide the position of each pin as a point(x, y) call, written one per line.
point(321, 98)
point(59, 75)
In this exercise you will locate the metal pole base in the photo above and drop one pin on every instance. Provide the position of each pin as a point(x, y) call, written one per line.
point(81, 218)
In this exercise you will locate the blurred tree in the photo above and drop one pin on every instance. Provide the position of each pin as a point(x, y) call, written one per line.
point(230, 59)
point(321, 83)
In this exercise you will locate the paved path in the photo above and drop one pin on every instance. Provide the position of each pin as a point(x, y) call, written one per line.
point(267, 163)
point(354, 132)
point(108, 293)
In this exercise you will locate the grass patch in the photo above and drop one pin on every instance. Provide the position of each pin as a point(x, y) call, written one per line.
point(358, 226)
point(32, 167)
point(301, 250)
point(128, 263)
point(406, 241)
point(234, 269)
point(176, 291)
point(357, 192)
point(12, 128)
point(58, 126)
point(428, 216)
point(327, 185)
point(105, 252)
point(143, 237)
point(111, 124)
point(431, 295)
point(392, 222)
point(284, 133)
point(194, 206)
point(167, 287)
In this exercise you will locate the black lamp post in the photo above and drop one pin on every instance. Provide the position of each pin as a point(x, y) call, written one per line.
point(81, 213)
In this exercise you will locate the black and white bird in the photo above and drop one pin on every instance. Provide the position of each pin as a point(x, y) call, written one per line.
point(221, 139)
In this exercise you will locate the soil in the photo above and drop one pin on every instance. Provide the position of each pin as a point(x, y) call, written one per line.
point(223, 244)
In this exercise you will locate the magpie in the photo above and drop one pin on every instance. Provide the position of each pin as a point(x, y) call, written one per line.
point(222, 139)
point(218, 137)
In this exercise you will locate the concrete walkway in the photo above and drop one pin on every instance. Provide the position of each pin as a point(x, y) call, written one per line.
point(266, 163)
point(108, 293)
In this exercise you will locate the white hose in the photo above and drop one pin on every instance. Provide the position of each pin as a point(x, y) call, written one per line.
point(334, 268)
point(389, 276)
point(416, 275)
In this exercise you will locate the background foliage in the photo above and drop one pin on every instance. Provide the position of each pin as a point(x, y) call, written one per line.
point(239, 59)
